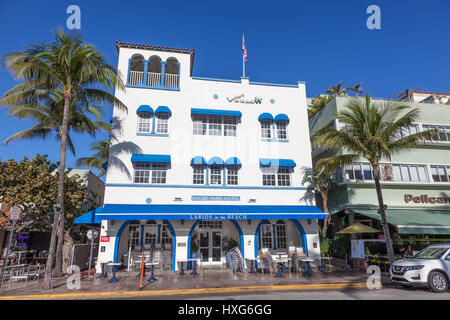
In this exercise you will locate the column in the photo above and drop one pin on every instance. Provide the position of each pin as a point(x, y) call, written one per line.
point(145, 83)
point(163, 73)
point(274, 236)
point(129, 70)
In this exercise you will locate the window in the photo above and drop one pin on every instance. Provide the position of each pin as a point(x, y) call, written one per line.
point(282, 130)
point(144, 121)
point(280, 229)
point(266, 129)
point(162, 125)
point(229, 126)
point(134, 235)
point(404, 132)
point(208, 224)
point(409, 173)
point(150, 234)
point(166, 235)
point(143, 171)
point(359, 171)
point(284, 177)
point(276, 176)
point(266, 236)
point(215, 126)
point(199, 124)
point(216, 175)
point(442, 133)
point(199, 175)
point(232, 175)
point(440, 173)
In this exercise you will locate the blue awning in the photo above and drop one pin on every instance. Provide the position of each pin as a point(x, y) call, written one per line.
point(198, 160)
point(215, 161)
point(160, 158)
point(88, 218)
point(198, 212)
point(231, 113)
point(145, 108)
point(265, 116)
point(264, 162)
point(163, 109)
point(281, 117)
point(233, 161)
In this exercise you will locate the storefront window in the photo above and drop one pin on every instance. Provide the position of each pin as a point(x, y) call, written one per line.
point(281, 235)
point(134, 235)
point(266, 236)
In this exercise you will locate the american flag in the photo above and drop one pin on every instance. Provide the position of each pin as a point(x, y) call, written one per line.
point(244, 51)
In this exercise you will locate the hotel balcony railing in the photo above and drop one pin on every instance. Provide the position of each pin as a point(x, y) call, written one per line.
point(136, 79)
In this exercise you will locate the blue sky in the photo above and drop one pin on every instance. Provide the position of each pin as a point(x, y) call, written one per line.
point(320, 42)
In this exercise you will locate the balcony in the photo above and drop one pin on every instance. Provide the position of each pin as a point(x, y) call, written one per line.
point(154, 80)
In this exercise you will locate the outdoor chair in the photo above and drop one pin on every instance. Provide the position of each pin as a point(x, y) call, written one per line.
point(237, 261)
point(266, 260)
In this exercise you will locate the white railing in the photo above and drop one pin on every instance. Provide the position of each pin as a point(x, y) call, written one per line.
point(171, 81)
point(136, 78)
point(153, 79)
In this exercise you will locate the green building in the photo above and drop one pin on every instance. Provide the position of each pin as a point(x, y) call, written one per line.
point(415, 185)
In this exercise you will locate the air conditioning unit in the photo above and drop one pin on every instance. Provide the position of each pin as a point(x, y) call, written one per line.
point(178, 199)
point(251, 200)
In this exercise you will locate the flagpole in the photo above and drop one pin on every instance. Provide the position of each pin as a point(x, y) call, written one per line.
point(243, 61)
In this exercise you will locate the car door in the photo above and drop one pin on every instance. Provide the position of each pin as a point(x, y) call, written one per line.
point(447, 262)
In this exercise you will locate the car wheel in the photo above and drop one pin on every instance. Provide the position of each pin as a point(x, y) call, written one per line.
point(438, 282)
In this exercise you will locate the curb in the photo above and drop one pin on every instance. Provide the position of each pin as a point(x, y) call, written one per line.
point(196, 291)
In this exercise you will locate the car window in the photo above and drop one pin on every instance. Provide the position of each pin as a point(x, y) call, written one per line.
point(430, 253)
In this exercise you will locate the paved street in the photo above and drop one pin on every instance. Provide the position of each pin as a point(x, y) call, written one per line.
point(387, 293)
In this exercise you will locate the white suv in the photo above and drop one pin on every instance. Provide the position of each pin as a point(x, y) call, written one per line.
point(429, 268)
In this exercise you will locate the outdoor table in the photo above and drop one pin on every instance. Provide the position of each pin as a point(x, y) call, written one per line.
point(279, 257)
point(181, 261)
point(114, 268)
point(252, 264)
point(103, 274)
point(152, 276)
point(194, 269)
point(279, 262)
point(307, 266)
point(322, 267)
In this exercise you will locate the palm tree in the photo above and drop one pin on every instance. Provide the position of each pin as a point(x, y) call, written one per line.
point(370, 134)
point(356, 88)
point(47, 111)
point(98, 159)
point(336, 90)
point(406, 95)
point(79, 72)
point(320, 182)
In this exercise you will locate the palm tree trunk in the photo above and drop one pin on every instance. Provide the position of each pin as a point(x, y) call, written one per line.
point(328, 218)
point(387, 237)
point(62, 170)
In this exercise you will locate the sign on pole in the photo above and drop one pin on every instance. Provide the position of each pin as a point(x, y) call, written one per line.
point(15, 213)
point(92, 234)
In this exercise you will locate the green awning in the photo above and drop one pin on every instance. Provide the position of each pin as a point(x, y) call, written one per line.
point(357, 228)
point(411, 221)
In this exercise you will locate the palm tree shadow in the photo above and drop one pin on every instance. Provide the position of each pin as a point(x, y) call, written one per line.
point(119, 148)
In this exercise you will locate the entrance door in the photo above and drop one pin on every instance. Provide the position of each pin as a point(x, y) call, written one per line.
point(211, 245)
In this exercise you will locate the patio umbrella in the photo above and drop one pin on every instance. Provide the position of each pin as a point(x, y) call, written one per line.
point(358, 228)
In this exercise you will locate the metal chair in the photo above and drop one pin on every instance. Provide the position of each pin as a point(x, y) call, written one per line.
point(237, 261)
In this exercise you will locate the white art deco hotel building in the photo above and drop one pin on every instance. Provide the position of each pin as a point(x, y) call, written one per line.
point(199, 165)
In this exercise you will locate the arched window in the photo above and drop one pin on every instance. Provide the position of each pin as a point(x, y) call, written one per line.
point(150, 233)
point(154, 72)
point(136, 72)
point(266, 235)
point(171, 74)
point(281, 233)
point(166, 235)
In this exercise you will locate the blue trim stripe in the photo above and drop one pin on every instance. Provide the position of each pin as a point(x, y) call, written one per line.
point(117, 242)
point(174, 243)
point(193, 186)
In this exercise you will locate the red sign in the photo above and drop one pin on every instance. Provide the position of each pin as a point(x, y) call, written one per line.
point(104, 239)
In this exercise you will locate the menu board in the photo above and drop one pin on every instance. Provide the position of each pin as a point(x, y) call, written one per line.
point(358, 249)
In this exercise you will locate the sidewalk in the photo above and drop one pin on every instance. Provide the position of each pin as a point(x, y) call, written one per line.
point(170, 282)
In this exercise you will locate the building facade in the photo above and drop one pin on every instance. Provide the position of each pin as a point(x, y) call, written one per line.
point(415, 184)
point(200, 165)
